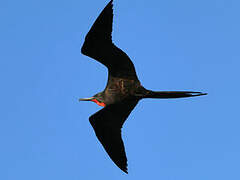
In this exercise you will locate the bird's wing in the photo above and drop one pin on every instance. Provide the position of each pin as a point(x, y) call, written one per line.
point(107, 124)
point(98, 45)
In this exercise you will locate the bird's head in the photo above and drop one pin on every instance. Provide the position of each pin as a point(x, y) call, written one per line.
point(98, 99)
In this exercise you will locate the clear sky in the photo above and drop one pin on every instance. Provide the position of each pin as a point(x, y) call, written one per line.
point(175, 45)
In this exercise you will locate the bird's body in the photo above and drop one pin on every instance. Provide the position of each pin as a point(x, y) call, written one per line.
point(123, 90)
point(118, 89)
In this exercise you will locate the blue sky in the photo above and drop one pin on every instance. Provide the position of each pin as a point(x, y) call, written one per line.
point(175, 45)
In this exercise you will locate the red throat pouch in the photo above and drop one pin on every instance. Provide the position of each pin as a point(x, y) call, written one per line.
point(99, 103)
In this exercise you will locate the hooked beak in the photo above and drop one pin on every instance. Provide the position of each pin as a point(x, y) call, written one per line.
point(86, 99)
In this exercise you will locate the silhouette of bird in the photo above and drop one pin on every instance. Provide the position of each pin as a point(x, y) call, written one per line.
point(123, 90)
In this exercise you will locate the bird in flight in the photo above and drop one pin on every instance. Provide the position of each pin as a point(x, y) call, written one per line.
point(123, 90)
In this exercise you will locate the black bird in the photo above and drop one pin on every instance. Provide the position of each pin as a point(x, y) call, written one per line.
point(123, 90)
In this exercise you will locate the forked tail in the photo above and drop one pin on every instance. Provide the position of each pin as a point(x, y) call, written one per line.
point(172, 94)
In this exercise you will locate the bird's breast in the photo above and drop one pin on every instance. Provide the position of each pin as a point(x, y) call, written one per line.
point(118, 89)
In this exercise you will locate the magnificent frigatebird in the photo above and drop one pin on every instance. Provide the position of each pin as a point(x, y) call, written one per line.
point(123, 90)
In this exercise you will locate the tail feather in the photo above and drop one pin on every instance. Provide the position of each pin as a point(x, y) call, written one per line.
point(172, 94)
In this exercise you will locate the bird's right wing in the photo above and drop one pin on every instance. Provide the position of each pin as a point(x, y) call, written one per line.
point(107, 124)
point(98, 45)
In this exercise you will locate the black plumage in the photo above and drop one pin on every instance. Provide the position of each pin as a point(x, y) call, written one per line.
point(123, 90)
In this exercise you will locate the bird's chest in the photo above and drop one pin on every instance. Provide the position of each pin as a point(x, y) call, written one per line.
point(119, 89)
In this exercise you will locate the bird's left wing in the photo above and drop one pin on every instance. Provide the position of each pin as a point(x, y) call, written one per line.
point(99, 46)
point(107, 124)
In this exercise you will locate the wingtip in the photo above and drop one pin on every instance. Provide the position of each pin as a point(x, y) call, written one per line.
point(111, 3)
point(121, 166)
point(124, 167)
point(125, 170)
